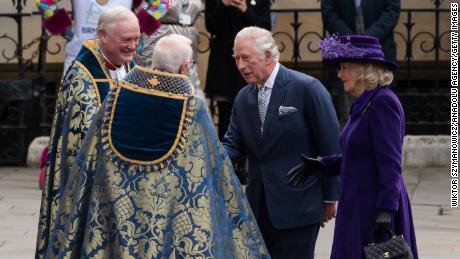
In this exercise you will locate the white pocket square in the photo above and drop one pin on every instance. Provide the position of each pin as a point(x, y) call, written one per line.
point(283, 110)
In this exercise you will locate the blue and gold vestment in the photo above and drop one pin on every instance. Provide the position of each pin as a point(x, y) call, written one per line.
point(152, 180)
point(82, 91)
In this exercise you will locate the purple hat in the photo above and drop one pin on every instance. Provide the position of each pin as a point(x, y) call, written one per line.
point(358, 48)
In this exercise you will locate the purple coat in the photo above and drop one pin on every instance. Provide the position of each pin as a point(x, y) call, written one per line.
point(370, 166)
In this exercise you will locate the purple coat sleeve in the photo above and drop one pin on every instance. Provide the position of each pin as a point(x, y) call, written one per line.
point(387, 133)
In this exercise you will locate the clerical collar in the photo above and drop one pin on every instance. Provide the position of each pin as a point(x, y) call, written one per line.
point(109, 64)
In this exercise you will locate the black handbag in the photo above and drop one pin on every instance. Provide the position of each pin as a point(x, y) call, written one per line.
point(395, 247)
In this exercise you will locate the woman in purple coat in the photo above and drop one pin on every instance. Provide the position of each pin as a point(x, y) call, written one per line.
point(373, 193)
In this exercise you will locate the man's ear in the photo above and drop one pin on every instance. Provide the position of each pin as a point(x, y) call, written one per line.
point(268, 57)
point(183, 69)
point(101, 34)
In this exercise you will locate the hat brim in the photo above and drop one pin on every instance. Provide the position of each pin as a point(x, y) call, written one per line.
point(335, 63)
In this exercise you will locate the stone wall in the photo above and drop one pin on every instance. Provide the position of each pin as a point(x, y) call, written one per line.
point(424, 151)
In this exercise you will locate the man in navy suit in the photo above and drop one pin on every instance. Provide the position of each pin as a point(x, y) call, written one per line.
point(279, 115)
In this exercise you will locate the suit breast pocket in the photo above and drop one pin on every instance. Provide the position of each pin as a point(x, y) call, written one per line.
point(286, 111)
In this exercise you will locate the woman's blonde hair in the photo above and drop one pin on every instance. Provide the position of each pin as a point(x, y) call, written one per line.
point(372, 74)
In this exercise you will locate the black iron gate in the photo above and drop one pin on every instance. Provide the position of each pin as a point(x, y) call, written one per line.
point(21, 99)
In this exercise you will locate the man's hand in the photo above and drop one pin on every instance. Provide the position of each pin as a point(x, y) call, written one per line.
point(226, 2)
point(239, 4)
point(300, 173)
point(330, 211)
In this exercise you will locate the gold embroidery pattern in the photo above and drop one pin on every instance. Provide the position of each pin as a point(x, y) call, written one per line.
point(77, 103)
point(168, 82)
point(93, 47)
point(98, 96)
point(154, 81)
point(192, 207)
point(180, 91)
point(156, 164)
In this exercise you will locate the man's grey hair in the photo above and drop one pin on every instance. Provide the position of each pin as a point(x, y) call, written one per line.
point(263, 41)
point(108, 19)
point(171, 52)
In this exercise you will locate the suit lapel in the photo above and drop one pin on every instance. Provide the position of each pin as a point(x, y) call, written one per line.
point(276, 99)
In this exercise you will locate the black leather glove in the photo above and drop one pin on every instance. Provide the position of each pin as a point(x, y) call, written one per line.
point(384, 220)
point(299, 174)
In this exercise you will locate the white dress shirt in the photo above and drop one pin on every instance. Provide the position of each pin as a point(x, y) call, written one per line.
point(270, 82)
point(118, 73)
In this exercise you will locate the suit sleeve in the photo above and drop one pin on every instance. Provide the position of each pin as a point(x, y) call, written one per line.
point(332, 164)
point(325, 127)
point(386, 126)
point(387, 21)
point(232, 139)
point(331, 19)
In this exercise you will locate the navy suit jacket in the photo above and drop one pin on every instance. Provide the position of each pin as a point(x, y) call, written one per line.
point(312, 130)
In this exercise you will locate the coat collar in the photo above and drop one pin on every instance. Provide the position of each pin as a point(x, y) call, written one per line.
point(362, 103)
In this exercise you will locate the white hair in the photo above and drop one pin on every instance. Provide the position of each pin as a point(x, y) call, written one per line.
point(263, 41)
point(171, 52)
point(108, 18)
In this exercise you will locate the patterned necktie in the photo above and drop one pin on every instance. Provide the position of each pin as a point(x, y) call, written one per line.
point(262, 103)
point(359, 21)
